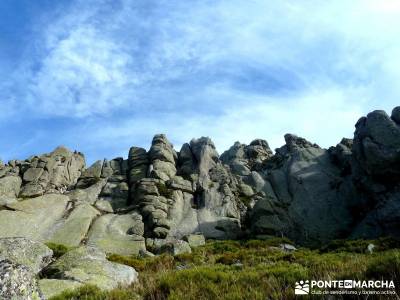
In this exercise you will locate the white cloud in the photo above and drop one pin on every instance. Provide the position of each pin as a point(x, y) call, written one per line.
point(320, 117)
point(228, 69)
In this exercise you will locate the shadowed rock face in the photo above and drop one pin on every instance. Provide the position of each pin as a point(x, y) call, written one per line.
point(301, 191)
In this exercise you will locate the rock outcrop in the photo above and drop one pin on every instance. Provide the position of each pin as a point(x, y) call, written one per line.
point(163, 200)
point(18, 282)
point(33, 255)
point(88, 265)
point(376, 173)
point(304, 198)
point(50, 173)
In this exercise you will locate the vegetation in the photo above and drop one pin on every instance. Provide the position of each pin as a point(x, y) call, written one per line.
point(163, 190)
point(91, 292)
point(360, 246)
point(252, 269)
point(246, 200)
point(58, 249)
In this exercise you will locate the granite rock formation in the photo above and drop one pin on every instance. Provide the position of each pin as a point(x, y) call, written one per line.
point(163, 200)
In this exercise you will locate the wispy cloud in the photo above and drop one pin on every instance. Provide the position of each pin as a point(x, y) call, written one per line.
point(330, 111)
point(124, 70)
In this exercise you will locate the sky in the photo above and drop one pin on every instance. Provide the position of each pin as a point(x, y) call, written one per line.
point(100, 76)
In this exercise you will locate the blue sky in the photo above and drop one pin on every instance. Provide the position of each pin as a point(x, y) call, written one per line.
point(100, 76)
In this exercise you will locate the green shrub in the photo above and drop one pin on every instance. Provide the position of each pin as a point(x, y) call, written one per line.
point(219, 247)
point(228, 258)
point(225, 282)
point(360, 245)
point(246, 200)
point(85, 292)
point(58, 249)
point(163, 190)
point(262, 244)
point(138, 264)
point(197, 257)
point(385, 266)
point(159, 262)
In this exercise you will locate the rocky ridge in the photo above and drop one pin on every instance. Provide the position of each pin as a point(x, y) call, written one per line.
point(162, 200)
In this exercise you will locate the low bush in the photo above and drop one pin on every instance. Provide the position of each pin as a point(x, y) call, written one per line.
point(360, 246)
point(384, 266)
point(58, 249)
point(156, 263)
point(85, 292)
point(163, 190)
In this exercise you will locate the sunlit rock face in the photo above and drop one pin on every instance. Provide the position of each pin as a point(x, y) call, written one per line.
point(166, 201)
point(301, 191)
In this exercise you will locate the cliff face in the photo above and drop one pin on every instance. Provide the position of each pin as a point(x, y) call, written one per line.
point(308, 194)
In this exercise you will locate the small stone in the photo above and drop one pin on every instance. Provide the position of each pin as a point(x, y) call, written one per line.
point(104, 205)
point(145, 253)
point(195, 240)
point(287, 247)
point(9, 189)
point(174, 247)
point(32, 174)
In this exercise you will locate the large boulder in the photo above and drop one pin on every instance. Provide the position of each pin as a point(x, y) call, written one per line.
point(34, 218)
point(115, 194)
point(186, 161)
point(210, 213)
point(163, 158)
point(89, 265)
point(150, 197)
point(383, 219)
point(376, 173)
point(33, 255)
point(171, 246)
point(72, 229)
point(242, 159)
point(205, 154)
point(195, 240)
point(377, 146)
point(51, 173)
point(33, 174)
point(18, 282)
point(9, 189)
point(138, 162)
point(119, 234)
point(94, 171)
point(308, 201)
point(178, 183)
point(89, 194)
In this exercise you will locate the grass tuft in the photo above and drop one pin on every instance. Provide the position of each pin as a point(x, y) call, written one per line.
point(58, 249)
point(163, 190)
